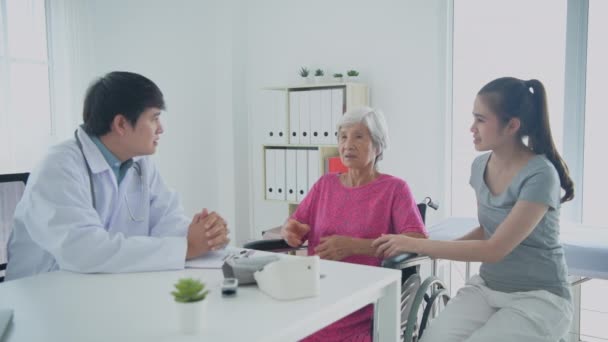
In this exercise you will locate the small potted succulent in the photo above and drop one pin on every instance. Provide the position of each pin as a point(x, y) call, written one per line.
point(338, 77)
point(353, 75)
point(319, 75)
point(190, 296)
point(304, 72)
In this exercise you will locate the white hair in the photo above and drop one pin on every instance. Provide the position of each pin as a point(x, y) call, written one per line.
point(374, 120)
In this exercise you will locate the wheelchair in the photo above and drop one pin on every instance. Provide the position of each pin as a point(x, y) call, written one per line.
point(421, 299)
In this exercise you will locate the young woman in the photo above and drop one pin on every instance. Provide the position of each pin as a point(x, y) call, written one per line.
point(521, 292)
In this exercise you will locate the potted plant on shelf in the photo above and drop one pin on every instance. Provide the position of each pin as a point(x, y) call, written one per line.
point(304, 72)
point(190, 296)
point(319, 75)
point(353, 75)
point(338, 77)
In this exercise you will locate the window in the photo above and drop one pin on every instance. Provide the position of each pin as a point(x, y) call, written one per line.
point(25, 106)
point(595, 172)
point(488, 45)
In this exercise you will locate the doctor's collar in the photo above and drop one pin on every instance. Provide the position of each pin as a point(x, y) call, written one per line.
point(119, 168)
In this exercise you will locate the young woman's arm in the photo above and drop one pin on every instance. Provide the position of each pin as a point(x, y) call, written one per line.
point(524, 217)
point(338, 247)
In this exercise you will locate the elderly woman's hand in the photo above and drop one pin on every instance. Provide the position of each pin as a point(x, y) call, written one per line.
point(390, 245)
point(334, 247)
point(293, 232)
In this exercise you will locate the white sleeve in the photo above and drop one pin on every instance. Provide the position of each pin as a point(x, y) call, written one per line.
point(167, 216)
point(60, 218)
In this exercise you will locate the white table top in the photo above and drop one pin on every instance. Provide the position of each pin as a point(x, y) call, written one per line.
point(585, 247)
point(64, 306)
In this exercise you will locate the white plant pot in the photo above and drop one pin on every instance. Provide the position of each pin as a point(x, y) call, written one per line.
point(338, 79)
point(353, 79)
point(318, 79)
point(191, 317)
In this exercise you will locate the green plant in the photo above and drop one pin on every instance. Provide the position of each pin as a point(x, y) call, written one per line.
point(189, 290)
point(337, 75)
point(352, 73)
point(319, 72)
point(304, 72)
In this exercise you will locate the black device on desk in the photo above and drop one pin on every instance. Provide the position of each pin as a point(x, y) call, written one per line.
point(229, 286)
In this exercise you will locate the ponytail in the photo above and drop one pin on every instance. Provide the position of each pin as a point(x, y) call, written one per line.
point(527, 100)
point(540, 139)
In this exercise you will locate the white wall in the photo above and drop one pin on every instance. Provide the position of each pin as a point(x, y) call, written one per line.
point(169, 43)
point(211, 57)
point(399, 48)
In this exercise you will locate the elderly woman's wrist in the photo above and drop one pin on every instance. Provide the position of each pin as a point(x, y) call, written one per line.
point(360, 246)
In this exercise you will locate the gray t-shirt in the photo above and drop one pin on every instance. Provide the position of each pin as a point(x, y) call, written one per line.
point(538, 262)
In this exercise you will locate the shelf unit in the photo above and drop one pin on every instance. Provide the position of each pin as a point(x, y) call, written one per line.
point(302, 126)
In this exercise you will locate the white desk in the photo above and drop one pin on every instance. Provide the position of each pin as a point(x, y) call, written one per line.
point(63, 306)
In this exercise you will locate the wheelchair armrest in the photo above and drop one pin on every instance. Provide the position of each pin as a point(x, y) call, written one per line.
point(394, 262)
point(275, 245)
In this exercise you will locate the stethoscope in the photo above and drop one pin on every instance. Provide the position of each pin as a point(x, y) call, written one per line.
point(137, 168)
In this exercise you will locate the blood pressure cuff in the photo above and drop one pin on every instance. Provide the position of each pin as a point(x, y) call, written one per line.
point(244, 268)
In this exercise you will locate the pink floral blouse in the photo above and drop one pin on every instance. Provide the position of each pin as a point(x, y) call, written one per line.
point(384, 206)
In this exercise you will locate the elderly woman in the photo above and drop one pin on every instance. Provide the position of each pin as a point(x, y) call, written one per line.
point(344, 212)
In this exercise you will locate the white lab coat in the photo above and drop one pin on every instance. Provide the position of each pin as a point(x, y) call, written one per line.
point(56, 226)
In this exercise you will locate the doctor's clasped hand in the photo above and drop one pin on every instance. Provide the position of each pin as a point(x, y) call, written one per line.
point(207, 232)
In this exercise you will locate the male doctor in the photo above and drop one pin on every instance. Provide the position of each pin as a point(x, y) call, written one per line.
point(97, 203)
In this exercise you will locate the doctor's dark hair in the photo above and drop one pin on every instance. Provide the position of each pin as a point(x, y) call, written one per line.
point(508, 98)
point(118, 92)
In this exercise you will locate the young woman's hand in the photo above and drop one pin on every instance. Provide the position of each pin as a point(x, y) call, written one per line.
point(293, 232)
point(390, 245)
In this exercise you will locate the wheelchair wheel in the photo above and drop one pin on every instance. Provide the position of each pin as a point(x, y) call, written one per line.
point(428, 293)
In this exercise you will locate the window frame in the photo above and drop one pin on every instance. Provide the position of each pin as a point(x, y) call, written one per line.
point(574, 102)
point(6, 63)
